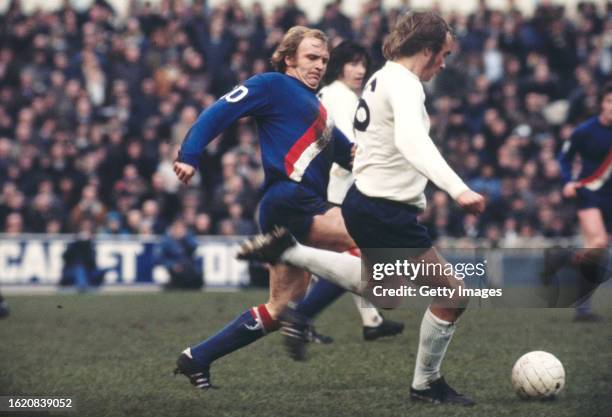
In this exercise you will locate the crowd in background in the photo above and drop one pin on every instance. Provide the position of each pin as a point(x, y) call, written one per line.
point(93, 109)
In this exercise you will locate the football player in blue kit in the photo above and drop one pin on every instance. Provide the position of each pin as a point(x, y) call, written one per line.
point(592, 188)
point(298, 145)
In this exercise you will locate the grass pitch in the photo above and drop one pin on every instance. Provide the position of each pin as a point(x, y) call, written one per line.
point(113, 354)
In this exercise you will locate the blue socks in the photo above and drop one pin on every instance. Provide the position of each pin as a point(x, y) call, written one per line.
point(242, 331)
point(321, 295)
point(256, 322)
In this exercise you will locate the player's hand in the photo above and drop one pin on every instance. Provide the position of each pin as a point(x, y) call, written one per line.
point(183, 171)
point(353, 151)
point(471, 202)
point(569, 190)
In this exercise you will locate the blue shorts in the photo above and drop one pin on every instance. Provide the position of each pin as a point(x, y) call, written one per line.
point(289, 204)
point(380, 223)
point(592, 199)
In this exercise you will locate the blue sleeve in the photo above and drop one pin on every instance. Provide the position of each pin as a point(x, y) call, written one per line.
point(566, 157)
point(249, 99)
point(342, 150)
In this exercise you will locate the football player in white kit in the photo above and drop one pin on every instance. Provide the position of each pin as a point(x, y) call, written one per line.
point(395, 159)
point(346, 73)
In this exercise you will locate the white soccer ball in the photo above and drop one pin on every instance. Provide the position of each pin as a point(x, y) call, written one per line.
point(538, 375)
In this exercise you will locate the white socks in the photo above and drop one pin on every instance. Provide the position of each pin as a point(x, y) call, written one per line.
point(369, 314)
point(343, 270)
point(434, 337)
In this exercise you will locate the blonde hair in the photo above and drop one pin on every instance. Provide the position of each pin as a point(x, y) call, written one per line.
point(414, 32)
point(289, 45)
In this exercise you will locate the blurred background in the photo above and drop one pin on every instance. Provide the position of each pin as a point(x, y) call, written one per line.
point(96, 97)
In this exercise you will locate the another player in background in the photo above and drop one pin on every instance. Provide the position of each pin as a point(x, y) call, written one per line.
point(394, 161)
point(348, 65)
point(592, 188)
point(298, 145)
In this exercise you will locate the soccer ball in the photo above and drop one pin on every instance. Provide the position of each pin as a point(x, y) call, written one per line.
point(538, 375)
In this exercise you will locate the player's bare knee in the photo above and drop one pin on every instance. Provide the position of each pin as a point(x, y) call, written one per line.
point(328, 231)
point(441, 310)
point(454, 313)
point(457, 312)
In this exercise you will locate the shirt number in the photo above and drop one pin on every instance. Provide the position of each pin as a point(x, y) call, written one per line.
point(236, 94)
point(362, 115)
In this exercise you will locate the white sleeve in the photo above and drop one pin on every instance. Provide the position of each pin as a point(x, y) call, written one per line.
point(413, 141)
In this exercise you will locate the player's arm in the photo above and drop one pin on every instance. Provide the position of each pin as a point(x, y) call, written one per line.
point(343, 150)
point(413, 141)
point(247, 99)
point(566, 159)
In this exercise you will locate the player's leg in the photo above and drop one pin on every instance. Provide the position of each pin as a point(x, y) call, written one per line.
point(375, 325)
point(341, 269)
point(327, 231)
point(448, 308)
point(284, 203)
point(379, 225)
point(370, 317)
point(591, 261)
point(286, 283)
point(281, 246)
point(437, 329)
point(323, 293)
point(319, 296)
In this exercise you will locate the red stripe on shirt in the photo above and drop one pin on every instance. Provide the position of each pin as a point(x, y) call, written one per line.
point(600, 171)
point(310, 136)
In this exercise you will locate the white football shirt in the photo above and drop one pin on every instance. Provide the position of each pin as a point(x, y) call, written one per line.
point(340, 103)
point(395, 155)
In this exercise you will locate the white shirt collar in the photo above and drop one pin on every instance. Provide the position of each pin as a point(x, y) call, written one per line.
point(400, 67)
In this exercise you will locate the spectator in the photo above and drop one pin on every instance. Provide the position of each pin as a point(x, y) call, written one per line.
point(13, 225)
point(97, 106)
point(89, 207)
point(177, 255)
point(80, 267)
point(202, 224)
